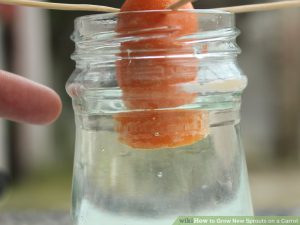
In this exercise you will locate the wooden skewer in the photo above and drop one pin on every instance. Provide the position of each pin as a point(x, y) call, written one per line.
point(98, 8)
point(60, 6)
point(248, 8)
point(263, 6)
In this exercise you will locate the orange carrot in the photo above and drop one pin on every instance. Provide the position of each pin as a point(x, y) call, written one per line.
point(150, 80)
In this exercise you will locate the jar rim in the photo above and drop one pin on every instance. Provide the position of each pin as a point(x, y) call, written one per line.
point(196, 11)
point(96, 36)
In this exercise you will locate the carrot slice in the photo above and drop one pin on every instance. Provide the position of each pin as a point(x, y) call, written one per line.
point(152, 77)
point(161, 129)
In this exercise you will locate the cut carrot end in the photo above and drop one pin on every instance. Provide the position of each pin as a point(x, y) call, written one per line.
point(162, 129)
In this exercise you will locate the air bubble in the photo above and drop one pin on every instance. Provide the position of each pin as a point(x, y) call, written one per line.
point(204, 186)
point(124, 153)
point(156, 134)
point(160, 174)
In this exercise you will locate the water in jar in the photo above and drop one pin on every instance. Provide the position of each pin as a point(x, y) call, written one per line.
point(118, 185)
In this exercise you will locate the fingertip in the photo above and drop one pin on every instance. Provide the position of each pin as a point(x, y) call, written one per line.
point(25, 101)
point(50, 110)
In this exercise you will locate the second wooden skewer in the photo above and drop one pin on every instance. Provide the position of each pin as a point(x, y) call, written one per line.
point(98, 8)
point(60, 6)
point(263, 7)
point(248, 8)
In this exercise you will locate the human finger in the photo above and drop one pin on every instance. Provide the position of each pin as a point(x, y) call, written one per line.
point(26, 101)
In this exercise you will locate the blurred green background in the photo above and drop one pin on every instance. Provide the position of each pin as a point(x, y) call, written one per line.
point(36, 43)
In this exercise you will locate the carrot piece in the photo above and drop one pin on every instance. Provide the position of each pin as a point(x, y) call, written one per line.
point(150, 81)
point(136, 5)
point(161, 129)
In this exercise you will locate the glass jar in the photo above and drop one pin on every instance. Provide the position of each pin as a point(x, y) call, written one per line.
point(157, 111)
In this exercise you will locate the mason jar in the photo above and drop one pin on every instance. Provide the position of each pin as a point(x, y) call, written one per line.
point(157, 110)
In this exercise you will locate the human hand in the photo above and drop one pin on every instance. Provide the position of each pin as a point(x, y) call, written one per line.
point(22, 100)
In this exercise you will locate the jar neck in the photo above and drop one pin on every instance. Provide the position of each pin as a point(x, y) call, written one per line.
point(165, 66)
point(99, 42)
